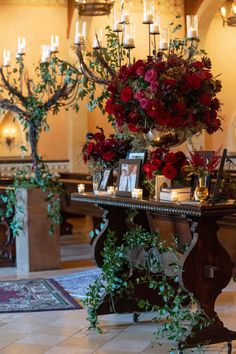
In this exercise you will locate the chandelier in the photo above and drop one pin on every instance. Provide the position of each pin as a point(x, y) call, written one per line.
point(228, 13)
point(94, 8)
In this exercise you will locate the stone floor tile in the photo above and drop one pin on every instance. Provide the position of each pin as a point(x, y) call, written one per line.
point(131, 346)
point(19, 348)
point(38, 339)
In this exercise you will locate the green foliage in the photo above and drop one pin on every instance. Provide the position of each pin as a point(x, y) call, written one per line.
point(122, 273)
point(10, 209)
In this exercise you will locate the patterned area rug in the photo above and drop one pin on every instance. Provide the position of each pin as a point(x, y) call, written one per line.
point(27, 295)
point(76, 284)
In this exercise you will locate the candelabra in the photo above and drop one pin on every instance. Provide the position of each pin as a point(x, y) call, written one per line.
point(55, 84)
point(120, 42)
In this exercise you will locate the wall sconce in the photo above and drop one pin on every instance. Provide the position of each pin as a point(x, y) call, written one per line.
point(9, 136)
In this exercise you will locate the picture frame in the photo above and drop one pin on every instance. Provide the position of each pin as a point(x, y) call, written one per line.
point(136, 155)
point(105, 180)
point(128, 176)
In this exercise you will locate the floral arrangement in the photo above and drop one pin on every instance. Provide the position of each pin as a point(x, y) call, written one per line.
point(100, 152)
point(165, 92)
point(164, 162)
point(202, 163)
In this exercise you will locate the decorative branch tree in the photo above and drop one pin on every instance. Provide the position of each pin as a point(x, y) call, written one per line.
point(55, 85)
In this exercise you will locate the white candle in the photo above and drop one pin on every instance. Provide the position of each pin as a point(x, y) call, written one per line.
point(21, 45)
point(174, 196)
point(137, 193)
point(54, 43)
point(80, 37)
point(117, 27)
point(129, 42)
point(163, 45)
point(6, 57)
point(81, 188)
point(148, 18)
point(154, 29)
point(192, 33)
point(110, 190)
point(125, 18)
point(45, 53)
point(96, 43)
point(192, 26)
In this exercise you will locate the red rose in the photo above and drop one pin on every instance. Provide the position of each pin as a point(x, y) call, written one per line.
point(193, 81)
point(205, 99)
point(133, 128)
point(126, 94)
point(170, 157)
point(180, 107)
point(169, 171)
point(148, 169)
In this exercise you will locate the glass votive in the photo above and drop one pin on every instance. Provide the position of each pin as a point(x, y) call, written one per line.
point(110, 190)
point(81, 188)
point(137, 193)
point(174, 196)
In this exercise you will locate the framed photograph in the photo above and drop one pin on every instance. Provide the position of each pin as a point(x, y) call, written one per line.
point(128, 176)
point(136, 155)
point(105, 180)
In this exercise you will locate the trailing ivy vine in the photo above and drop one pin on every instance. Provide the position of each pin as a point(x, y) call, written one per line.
point(139, 260)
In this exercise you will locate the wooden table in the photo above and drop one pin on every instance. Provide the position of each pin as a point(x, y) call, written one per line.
point(207, 267)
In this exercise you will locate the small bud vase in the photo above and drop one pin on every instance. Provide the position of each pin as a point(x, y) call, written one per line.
point(202, 190)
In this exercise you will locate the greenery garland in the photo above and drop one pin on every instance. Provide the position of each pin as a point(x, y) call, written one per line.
point(122, 273)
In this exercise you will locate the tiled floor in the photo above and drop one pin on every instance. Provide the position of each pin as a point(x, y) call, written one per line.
point(65, 332)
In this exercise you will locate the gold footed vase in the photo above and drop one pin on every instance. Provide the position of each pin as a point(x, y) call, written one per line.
point(201, 191)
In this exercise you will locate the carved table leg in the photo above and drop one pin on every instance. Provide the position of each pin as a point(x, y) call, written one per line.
point(7, 245)
point(207, 269)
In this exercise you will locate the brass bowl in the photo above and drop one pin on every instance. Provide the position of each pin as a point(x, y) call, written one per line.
point(168, 137)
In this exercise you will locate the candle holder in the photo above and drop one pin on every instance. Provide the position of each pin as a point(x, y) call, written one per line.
point(81, 188)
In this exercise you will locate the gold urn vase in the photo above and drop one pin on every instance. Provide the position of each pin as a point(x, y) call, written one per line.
point(201, 191)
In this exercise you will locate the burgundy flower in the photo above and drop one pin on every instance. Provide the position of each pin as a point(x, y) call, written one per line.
point(126, 94)
point(169, 171)
point(132, 127)
point(168, 91)
point(108, 156)
point(205, 98)
point(193, 81)
point(151, 75)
